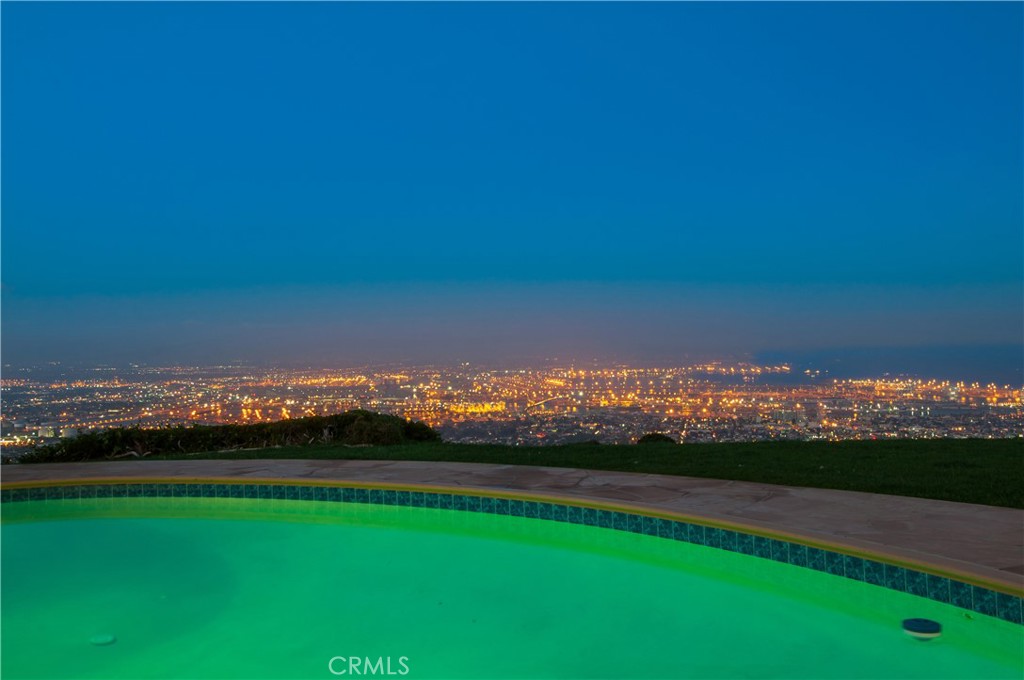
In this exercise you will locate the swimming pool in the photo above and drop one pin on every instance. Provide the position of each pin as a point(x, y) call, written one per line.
point(284, 580)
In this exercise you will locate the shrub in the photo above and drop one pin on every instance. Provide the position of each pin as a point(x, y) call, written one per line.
point(655, 438)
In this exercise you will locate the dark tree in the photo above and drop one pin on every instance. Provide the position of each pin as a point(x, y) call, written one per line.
point(421, 432)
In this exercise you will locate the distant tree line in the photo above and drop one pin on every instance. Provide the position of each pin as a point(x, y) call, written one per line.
point(353, 428)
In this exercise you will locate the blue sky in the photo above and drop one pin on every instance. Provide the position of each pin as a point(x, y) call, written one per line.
point(363, 182)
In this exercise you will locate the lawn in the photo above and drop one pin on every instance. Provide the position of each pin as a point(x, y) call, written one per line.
point(985, 471)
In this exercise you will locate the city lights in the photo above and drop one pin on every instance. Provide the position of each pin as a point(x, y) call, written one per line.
point(707, 402)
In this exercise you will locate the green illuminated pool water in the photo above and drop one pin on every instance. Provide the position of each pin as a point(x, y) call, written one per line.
point(218, 588)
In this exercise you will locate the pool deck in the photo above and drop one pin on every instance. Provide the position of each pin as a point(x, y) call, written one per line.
point(979, 541)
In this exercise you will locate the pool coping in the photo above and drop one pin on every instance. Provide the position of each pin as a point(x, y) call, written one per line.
point(978, 545)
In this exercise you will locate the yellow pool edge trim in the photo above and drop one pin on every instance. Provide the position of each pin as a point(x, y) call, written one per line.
point(634, 509)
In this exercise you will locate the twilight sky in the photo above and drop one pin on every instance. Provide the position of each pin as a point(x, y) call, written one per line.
point(343, 183)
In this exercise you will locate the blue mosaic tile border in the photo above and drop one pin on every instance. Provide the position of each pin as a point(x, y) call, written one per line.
point(964, 595)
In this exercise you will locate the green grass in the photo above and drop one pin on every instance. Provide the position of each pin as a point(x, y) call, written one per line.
point(985, 471)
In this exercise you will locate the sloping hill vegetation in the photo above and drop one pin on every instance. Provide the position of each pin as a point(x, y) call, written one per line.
point(352, 428)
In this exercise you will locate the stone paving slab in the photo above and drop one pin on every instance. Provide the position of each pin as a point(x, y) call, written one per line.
point(977, 540)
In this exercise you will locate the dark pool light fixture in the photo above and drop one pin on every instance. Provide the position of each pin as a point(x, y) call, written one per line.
point(922, 629)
